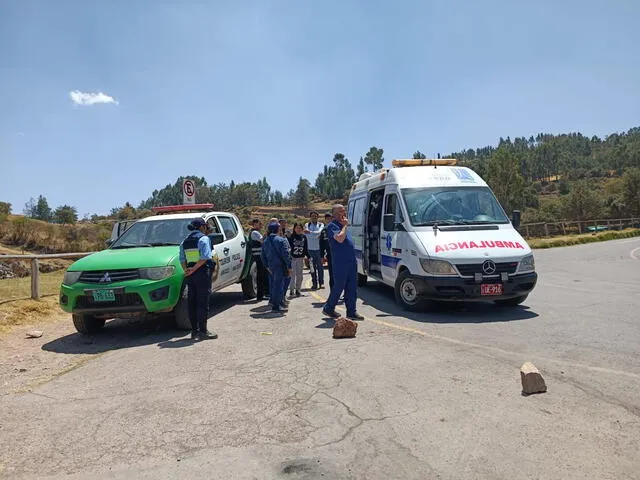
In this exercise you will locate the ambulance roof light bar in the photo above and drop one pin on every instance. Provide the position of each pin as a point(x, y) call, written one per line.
point(417, 162)
point(196, 207)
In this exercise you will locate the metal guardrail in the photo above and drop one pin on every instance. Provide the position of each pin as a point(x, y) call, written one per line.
point(572, 227)
point(35, 266)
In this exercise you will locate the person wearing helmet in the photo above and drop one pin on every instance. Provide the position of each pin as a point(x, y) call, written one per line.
point(196, 258)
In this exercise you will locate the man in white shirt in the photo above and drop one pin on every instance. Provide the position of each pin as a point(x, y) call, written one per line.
point(312, 230)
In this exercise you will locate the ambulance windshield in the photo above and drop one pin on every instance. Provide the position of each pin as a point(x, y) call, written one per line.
point(453, 206)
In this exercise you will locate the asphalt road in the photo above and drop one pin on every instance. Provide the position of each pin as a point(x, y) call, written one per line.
point(432, 395)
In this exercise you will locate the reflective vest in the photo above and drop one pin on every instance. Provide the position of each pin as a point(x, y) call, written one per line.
point(191, 250)
point(256, 246)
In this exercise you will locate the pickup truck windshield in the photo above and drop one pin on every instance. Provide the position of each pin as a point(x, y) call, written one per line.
point(154, 233)
point(452, 206)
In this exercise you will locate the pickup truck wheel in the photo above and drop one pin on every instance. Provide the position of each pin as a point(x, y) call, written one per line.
point(250, 283)
point(87, 323)
point(181, 312)
point(511, 302)
point(407, 294)
point(362, 280)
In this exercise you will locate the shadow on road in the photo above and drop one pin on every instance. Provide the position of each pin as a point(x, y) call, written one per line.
point(126, 333)
point(382, 298)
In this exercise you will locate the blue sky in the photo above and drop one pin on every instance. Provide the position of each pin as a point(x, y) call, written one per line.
point(238, 90)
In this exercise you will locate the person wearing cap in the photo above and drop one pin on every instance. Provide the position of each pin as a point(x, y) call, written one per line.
point(277, 259)
point(196, 258)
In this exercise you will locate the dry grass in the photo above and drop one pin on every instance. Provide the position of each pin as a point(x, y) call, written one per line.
point(28, 312)
point(26, 234)
point(567, 240)
point(20, 288)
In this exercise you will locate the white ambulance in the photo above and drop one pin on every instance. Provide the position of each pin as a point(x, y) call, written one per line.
point(435, 232)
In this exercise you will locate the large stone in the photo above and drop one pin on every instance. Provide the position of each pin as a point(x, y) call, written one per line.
point(34, 334)
point(532, 381)
point(344, 328)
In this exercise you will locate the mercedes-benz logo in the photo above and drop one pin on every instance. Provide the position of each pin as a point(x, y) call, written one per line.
point(489, 267)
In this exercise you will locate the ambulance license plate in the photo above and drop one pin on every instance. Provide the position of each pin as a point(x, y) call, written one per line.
point(491, 289)
point(104, 296)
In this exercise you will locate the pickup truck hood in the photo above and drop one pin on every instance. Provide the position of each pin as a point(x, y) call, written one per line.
point(126, 258)
point(463, 245)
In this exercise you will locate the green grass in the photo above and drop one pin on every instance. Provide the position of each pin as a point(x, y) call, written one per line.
point(567, 240)
point(20, 288)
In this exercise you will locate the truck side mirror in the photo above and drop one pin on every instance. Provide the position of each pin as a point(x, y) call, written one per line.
point(389, 222)
point(515, 218)
point(109, 242)
point(216, 238)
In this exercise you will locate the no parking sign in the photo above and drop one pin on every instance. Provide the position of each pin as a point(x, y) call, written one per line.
point(188, 192)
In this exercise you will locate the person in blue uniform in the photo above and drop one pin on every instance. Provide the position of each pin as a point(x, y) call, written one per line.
point(276, 257)
point(196, 257)
point(344, 266)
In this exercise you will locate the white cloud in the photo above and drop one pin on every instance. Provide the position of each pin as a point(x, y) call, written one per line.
point(85, 98)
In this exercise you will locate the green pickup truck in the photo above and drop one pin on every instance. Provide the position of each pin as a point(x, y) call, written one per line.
point(140, 272)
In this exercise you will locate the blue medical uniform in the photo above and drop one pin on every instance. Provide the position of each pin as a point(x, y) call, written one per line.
point(275, 255)
point(345, 269)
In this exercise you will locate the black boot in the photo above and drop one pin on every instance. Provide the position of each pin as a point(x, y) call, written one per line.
point(207, 335)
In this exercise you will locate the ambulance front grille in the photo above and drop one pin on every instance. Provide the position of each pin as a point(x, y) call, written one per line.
point(470, 269)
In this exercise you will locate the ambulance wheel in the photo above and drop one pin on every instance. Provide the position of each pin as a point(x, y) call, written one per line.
point(250, 283)
point(87, 323)
point(181, 312)
point(407, 293)
point(362, 280)
point(511, 302)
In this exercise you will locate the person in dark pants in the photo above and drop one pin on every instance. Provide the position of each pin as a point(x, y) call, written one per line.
point(277, 259)
point(256, 240)
point(196, 257)
point(325, 249)
point(344, 265)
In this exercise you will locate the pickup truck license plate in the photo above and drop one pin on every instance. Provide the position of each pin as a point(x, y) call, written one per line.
point(491, 289)
point(104, 296)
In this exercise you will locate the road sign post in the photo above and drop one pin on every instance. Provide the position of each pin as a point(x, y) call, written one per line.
point(188, 192)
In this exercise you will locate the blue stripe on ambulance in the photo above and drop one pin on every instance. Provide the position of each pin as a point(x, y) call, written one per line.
point(389, 261)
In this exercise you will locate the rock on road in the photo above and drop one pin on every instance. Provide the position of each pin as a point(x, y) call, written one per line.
point(428, 395)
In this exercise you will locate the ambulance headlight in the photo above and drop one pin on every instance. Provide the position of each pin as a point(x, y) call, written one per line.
point(157, 273)
point(527, 264)
point(437, 267)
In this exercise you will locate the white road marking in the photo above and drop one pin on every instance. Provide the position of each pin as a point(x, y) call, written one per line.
point(480, 346)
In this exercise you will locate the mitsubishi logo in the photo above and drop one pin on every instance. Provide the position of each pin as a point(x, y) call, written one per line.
point(489, 267)
point(105, 278)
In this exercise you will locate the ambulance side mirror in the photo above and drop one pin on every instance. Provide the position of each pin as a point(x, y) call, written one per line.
point(216, 238)
point(515, 218)
point(389, 222)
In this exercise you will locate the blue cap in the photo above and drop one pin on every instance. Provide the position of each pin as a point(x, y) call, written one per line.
point(273, 227)
point(197, 223)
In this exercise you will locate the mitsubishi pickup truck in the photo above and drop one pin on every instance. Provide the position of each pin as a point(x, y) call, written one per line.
point(139, 273)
